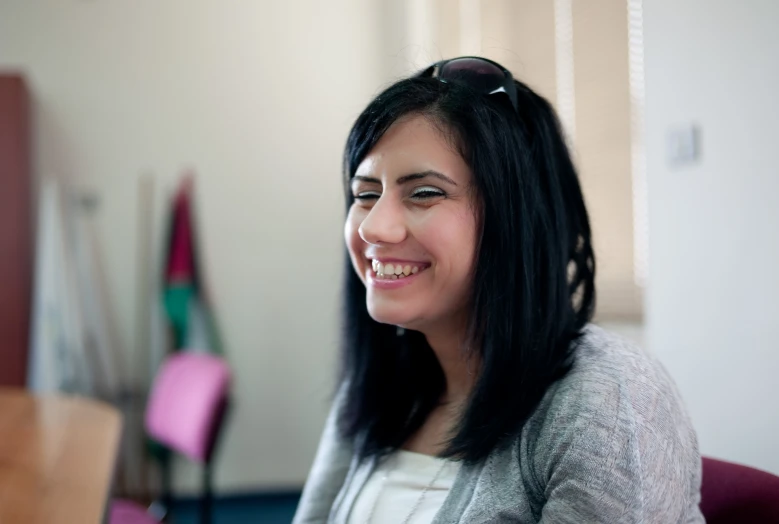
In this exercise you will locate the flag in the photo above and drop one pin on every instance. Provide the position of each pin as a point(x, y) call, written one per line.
point(187, 309)
point(57, 361)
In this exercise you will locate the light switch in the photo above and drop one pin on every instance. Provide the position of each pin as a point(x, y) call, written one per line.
point(684, 145)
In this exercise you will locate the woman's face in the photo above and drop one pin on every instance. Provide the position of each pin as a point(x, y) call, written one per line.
point(412, 229)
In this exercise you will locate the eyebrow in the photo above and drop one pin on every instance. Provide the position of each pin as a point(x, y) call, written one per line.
point(408, 178)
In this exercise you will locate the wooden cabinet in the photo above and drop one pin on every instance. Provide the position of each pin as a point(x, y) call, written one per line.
point(16, 232)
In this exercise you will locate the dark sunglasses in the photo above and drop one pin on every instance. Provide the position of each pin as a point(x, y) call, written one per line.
point(482, 75)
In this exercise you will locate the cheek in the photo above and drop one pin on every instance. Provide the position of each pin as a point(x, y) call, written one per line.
point(451, 239)
point(352, 236)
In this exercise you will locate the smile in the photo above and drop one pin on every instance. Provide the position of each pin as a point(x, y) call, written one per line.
point(395, 270)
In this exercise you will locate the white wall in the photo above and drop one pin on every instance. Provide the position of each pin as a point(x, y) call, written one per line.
point(257, 96)
point(714, 249)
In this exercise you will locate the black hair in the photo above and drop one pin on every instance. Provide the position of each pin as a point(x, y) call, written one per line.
point(533, 282)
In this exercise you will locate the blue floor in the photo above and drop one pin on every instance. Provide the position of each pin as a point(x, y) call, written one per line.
point(245, 509)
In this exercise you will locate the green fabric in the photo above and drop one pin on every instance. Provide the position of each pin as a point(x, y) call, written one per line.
point(176, 300)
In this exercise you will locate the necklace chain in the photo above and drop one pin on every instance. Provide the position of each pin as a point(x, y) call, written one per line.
point(417, 504)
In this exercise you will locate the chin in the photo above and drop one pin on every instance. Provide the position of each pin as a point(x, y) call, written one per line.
point(387, 317)
point(386, 314)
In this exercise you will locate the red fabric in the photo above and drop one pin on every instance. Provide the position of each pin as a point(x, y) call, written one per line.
point(180, 258)
point(732, 493)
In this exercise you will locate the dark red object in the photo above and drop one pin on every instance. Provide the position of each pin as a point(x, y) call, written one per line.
point(16, 236)
point(180, 264)
point(732, 493)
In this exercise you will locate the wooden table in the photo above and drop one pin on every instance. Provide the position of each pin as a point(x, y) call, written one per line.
point(57, 458)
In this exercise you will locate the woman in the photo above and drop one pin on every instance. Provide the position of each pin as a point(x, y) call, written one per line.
point(473, 387)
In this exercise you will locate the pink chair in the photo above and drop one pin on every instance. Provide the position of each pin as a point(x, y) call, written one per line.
point(186, 407)
point(732, 493)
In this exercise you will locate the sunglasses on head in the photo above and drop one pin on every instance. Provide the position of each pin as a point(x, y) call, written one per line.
point(480, 74)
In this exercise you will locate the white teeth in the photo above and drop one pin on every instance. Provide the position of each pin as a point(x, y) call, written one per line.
point(393, 271)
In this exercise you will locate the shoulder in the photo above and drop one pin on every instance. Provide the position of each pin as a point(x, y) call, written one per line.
point(613, 385)
point(329, 470)
point(611, 375)
point(613, 427)
point(615, 422)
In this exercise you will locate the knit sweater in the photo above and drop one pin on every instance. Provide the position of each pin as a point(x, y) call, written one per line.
point(609, 442)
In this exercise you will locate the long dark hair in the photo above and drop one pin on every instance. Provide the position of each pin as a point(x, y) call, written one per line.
point(533, 289)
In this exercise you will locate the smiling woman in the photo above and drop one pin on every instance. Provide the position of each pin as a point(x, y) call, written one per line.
point(473, 387)
point(415, 211)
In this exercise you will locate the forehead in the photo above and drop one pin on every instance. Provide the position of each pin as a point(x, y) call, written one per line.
point(413, 144)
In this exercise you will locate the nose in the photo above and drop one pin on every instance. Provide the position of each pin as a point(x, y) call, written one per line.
point(384, 224)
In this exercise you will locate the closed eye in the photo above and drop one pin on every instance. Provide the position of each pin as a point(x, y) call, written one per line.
point(367, 195)
point(427, 192)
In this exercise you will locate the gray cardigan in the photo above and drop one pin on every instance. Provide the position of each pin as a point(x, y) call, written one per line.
point(609, 442)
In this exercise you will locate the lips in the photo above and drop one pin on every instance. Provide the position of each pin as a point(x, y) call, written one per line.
point(391, 274)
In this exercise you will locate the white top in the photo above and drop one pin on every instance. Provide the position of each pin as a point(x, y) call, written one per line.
point(401, 482)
